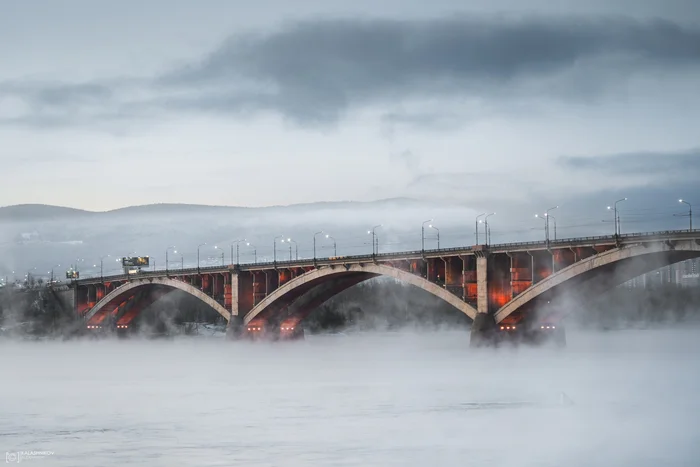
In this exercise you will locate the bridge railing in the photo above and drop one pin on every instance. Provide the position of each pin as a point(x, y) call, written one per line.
point(384, 256)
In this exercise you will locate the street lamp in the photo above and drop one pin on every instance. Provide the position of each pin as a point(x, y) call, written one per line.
point(438, 234)
point(335, 248)
point(296, 248)
point(555, 225)
point(616, 217)
point(255, 251)
point(486, 226)
point(546, 215)
point(546, 234)
point(236, 242)
point(422, 234)
point(198, 247)
point(476, 227)
point(216, 247)
point(55, 266)
point(101, 259)
point(166, 257)
point(690, 213)
point(375, 240)
point(319, 232)
point(274, 247)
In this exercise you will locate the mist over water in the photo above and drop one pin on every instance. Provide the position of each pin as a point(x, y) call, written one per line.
point(622, 398)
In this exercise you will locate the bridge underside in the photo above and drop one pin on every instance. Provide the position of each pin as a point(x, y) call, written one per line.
point(295, 306)
point(553, 304)
point(121, 311)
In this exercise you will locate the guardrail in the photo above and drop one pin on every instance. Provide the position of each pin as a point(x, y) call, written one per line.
point(398, 255)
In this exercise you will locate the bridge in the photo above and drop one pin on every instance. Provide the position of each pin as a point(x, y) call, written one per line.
point(500, 287)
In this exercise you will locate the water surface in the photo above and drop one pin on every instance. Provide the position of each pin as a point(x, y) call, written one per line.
point(624, 398)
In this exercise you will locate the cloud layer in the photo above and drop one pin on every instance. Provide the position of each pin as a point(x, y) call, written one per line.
point(316, 70)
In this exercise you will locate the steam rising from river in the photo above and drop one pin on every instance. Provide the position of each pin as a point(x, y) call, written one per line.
point(617, 398)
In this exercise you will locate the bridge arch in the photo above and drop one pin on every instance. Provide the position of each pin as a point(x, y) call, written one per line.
point(350, 275)
point(604, 271)
point(113, 297)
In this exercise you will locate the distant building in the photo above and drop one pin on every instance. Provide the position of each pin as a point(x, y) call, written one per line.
point(684, 274)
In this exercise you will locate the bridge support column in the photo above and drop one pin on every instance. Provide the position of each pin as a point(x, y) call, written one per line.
point(234, 330)
point(484, 325)
point(482, 284)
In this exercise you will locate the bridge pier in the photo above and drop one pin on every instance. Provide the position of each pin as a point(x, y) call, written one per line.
point(235, 327)
point(483, 332)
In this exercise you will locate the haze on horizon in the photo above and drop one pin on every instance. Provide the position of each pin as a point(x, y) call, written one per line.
point(234, 103)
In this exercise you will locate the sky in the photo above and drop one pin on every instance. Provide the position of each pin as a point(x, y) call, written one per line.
point(110, 104)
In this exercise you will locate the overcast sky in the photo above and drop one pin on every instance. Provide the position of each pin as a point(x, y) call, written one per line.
point(110, 104)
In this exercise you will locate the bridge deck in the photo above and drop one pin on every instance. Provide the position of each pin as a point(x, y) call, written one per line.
point(410, 255)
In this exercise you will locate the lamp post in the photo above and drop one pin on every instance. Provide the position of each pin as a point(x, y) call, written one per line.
point(422, 234)
point(546, 234)
point(55, 266)
point(255, 251)
point(274, 248)
point(198, 247)
point(476, 227)
point(438, 234)
point(690, 213)
point(335, 249)
point(296, 248)
point(486, 226)
point(616, 218)
point(101, 268)
point(319, 232)
point(166, 257)
point(223, 260)
point(546, 215)
point(375, 240)
point(236, 242)
point(555, 225)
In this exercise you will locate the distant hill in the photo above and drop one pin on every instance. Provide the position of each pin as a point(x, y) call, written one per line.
point(43, 211)
point(21, 212)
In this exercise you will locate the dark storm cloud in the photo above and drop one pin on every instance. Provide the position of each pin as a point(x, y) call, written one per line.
point(317, 69)
point(680, 163)
point(313, 71)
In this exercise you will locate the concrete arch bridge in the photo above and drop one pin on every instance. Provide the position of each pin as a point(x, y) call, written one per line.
point(505, 286)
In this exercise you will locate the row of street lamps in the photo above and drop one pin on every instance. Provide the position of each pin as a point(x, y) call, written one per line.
point(487, 230)
point(375, 239)
point(616, 218)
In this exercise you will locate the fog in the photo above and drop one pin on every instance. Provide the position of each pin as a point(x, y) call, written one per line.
point(624, 398)
point(35, 238)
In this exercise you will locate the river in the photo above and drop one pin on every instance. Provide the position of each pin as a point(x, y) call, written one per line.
point(621, 398)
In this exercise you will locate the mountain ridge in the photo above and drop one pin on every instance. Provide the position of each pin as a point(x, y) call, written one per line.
point(43, 211)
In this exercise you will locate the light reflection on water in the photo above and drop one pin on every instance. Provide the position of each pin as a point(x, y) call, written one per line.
point(618, 398)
